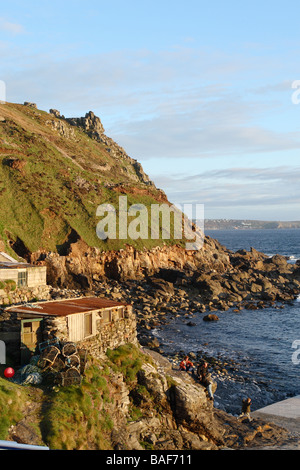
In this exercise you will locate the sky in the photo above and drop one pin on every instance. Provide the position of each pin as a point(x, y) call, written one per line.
point(203, 94)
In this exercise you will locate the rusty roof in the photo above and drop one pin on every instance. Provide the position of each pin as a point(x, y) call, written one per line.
point(66, 306)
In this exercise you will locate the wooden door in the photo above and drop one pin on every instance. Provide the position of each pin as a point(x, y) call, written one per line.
point(31, 336)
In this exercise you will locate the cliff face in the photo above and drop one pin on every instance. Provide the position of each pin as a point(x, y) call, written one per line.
point(92, 264)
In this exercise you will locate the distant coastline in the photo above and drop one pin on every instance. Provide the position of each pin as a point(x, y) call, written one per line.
point(232, 224)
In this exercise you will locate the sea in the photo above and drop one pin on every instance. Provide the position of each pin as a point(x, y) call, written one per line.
point(260, 349)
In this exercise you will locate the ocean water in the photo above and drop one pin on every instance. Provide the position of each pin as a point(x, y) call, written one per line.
point(260, 347)
point(282, 242)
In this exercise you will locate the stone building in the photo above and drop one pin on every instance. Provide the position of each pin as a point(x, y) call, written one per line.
point(21, 282)
point(93, 323)
point(21, 274)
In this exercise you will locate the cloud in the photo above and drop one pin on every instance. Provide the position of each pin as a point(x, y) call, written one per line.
point(12, 28)
point(272, 174)
point(189, 136)
point(238, 190)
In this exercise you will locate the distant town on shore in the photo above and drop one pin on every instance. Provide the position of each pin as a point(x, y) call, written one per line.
point(231, 224)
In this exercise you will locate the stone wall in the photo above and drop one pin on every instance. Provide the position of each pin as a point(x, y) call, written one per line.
point(111, 336)
point(25, 294)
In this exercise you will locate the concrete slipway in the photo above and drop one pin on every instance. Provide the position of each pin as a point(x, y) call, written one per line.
point(285, 414)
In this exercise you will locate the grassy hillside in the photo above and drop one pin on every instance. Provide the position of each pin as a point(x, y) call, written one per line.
point(53, 176)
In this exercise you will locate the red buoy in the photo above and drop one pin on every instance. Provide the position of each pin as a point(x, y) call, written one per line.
point(9, 372)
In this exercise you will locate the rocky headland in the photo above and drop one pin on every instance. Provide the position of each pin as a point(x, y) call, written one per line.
point(59, 170)
point(167, 282)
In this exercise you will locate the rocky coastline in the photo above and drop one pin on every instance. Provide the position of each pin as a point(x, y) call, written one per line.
point(169, 281)
point(161, 285)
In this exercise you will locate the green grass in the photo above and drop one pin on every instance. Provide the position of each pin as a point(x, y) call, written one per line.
point(76, 417)
point(126, 359)
point(12, 399)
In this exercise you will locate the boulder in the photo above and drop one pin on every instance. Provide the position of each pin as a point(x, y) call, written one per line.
point(192, 409)
point(162, 287)
point(30, 105)
point(155, 383)
point(211, 317)
point(296, 273)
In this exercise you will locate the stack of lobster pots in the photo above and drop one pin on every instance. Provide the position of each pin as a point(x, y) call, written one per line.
point(64, 363)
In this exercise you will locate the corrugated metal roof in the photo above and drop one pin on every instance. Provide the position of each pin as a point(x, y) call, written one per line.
point(8, 265)
point(66, 306)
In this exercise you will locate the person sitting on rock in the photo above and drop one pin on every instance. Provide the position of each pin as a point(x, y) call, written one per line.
point(205, 378)
point(246, 408)
point(186, 365)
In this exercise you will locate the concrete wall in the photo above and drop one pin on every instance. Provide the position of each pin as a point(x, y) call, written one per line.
point(37, 276)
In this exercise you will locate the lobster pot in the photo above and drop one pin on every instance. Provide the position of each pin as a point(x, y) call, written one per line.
point(48, 357)
point(69, 349)
point(69, 377)
point(46, 344)
point(73, 361)
point(58, 365)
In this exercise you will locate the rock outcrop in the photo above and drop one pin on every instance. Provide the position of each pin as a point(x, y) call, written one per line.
point(93, 127)
point(187, 419)
point(220, 277)
point(173, 261)
point(91, 124)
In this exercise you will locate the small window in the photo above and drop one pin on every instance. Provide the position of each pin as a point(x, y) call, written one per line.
point(22, 279)
point(106, 316)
